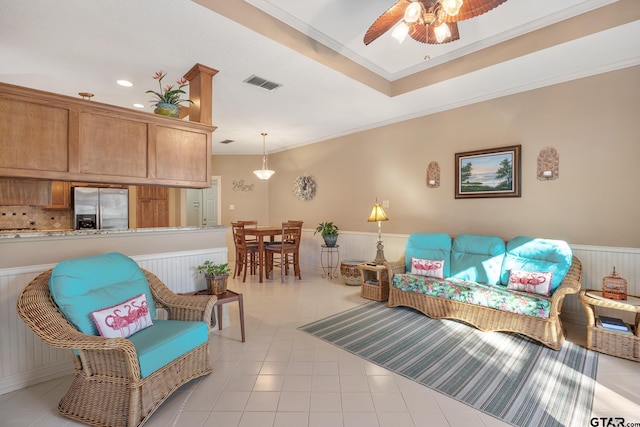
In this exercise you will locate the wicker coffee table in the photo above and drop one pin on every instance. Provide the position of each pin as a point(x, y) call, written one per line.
point(619, 344)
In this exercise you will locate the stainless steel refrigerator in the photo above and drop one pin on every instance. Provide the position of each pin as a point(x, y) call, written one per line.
point(100, 208)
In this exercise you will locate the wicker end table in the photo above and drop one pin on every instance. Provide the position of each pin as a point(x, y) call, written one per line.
point(375, 282)
point(619, 344)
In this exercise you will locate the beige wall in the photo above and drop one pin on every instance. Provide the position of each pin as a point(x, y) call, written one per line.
point(592, 122)
point(249, 205)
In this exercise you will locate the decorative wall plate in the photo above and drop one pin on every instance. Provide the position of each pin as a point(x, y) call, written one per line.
point(304, 186)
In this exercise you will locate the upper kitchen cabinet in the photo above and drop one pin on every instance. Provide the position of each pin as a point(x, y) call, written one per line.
point(33, 136)
point(24, 192)
point(50, 136)
point(60, 196)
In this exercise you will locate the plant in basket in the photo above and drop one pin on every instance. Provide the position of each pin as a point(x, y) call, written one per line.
point(216, 276)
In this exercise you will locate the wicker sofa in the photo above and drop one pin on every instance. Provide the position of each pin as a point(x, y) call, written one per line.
point(118, 381)
point(476, 276)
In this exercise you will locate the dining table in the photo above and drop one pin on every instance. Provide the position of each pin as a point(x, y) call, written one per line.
point(261, 232)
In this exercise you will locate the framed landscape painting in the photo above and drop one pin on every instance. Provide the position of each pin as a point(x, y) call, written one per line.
point(494, 172)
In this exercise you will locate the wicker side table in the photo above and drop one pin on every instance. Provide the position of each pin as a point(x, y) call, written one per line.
point(375, 282)
point(619, 344)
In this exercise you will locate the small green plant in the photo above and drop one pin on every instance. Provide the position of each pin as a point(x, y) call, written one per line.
point(326, 229)
point(209, 269)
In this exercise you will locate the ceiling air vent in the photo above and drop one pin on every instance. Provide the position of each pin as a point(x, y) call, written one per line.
point(263, 83)
point(226, 141)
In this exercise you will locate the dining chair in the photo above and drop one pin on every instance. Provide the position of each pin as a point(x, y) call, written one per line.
point(277, 253)
point(250, 224)
point(245, 252)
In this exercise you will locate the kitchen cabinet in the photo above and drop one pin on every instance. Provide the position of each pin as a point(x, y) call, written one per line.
point(24, 192)
point(152, 208)
point(49, 136)
point(60, 196)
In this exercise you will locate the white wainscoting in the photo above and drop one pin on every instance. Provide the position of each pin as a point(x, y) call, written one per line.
point(597, 261)
point(25, 360)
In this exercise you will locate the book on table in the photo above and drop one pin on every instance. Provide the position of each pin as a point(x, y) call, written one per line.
point(613, 324)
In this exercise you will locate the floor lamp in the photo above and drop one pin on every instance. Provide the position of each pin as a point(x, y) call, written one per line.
point(378, 215)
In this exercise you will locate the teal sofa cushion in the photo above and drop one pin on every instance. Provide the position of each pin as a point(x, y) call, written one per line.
point(165, 341)
point(433, 246)
point(81, 286)
point(538, 255)
point(477, 258)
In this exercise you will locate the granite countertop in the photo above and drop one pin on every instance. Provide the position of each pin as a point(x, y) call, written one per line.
point(5, 235)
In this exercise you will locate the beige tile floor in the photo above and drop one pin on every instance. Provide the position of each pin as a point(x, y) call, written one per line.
point(284, 378)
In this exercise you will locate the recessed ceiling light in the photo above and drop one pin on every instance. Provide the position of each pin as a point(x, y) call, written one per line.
point(138, 105)
point(125, 83)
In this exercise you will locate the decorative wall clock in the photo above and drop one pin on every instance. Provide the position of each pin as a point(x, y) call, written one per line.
point(304, 187)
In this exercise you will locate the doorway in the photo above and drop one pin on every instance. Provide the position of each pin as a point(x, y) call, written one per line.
point(203, 205)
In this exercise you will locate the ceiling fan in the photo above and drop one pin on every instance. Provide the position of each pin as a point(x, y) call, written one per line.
point(428, 21)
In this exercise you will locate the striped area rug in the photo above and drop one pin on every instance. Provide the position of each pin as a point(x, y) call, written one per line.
point(504, 375)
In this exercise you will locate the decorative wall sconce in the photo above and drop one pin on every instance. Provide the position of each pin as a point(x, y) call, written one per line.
point(548, 164)
point(433, 175)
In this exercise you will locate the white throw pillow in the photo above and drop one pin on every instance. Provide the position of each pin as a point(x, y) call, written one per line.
point(124, 319)
point(428, 267)
point(533, 282)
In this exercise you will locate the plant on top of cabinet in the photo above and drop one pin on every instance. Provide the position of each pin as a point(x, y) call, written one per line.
point(168, 102)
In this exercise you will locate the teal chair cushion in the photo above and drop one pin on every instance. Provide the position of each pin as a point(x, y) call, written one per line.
point(477, 258)
point(433, 246)
point(165, 341)
point(537, 255)
point(81, 286)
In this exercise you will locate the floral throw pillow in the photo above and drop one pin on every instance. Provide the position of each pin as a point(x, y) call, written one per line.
point(124, 319)
point(428, 267)
point(530, 281)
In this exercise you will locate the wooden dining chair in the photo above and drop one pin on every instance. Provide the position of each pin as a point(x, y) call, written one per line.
point(246, 252)
point(250, 224)
point(285, 252)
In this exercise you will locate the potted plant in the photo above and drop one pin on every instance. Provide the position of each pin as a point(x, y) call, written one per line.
point(168, 102)
point(216, 276)
point(329, 233)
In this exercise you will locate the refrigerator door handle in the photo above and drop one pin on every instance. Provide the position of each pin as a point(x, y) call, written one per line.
point(99, 217)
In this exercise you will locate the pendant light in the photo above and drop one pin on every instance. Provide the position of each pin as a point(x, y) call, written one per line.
point(264, 173)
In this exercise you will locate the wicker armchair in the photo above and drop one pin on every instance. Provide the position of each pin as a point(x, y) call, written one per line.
point(107, 388)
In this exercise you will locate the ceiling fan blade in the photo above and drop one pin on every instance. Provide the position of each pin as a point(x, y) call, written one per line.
point(385, 21)
point(418, 32)
point(472, 8)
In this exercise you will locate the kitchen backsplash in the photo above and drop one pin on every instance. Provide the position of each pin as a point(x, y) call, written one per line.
point(31, 217)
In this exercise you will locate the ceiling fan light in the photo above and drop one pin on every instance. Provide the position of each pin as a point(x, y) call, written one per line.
point(442, 32)
point(400, 32)
point(451, 7)
point(412, 12)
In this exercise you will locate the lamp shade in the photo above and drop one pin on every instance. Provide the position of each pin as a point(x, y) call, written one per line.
point(377, 214)
point(264, 173)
